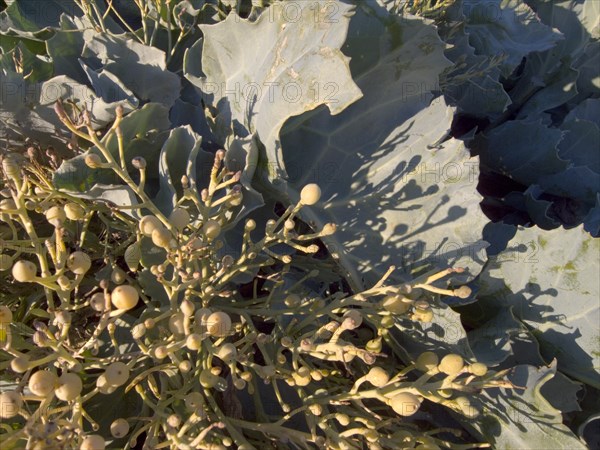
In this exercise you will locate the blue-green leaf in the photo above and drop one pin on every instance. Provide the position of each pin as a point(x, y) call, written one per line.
point(141, 68)
point(554, 290)
point(242, 156)
point(588, 82)
point(507, 27)
point(260, 73)
point(588, 110)
point(33, 18)
point(18, 116)
point(472, 84)
point(66, 45)
point(110, 93)
point(144, 132)
point(188, 113)
point(522, 417)
point(592, 220)
point(525, 150)
point(118, 195)
point(74, 175)
point(178, 153)
point(35, 67)
point(492, 341)
point(556, 91)
point(397, 195)
point(539, 210)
